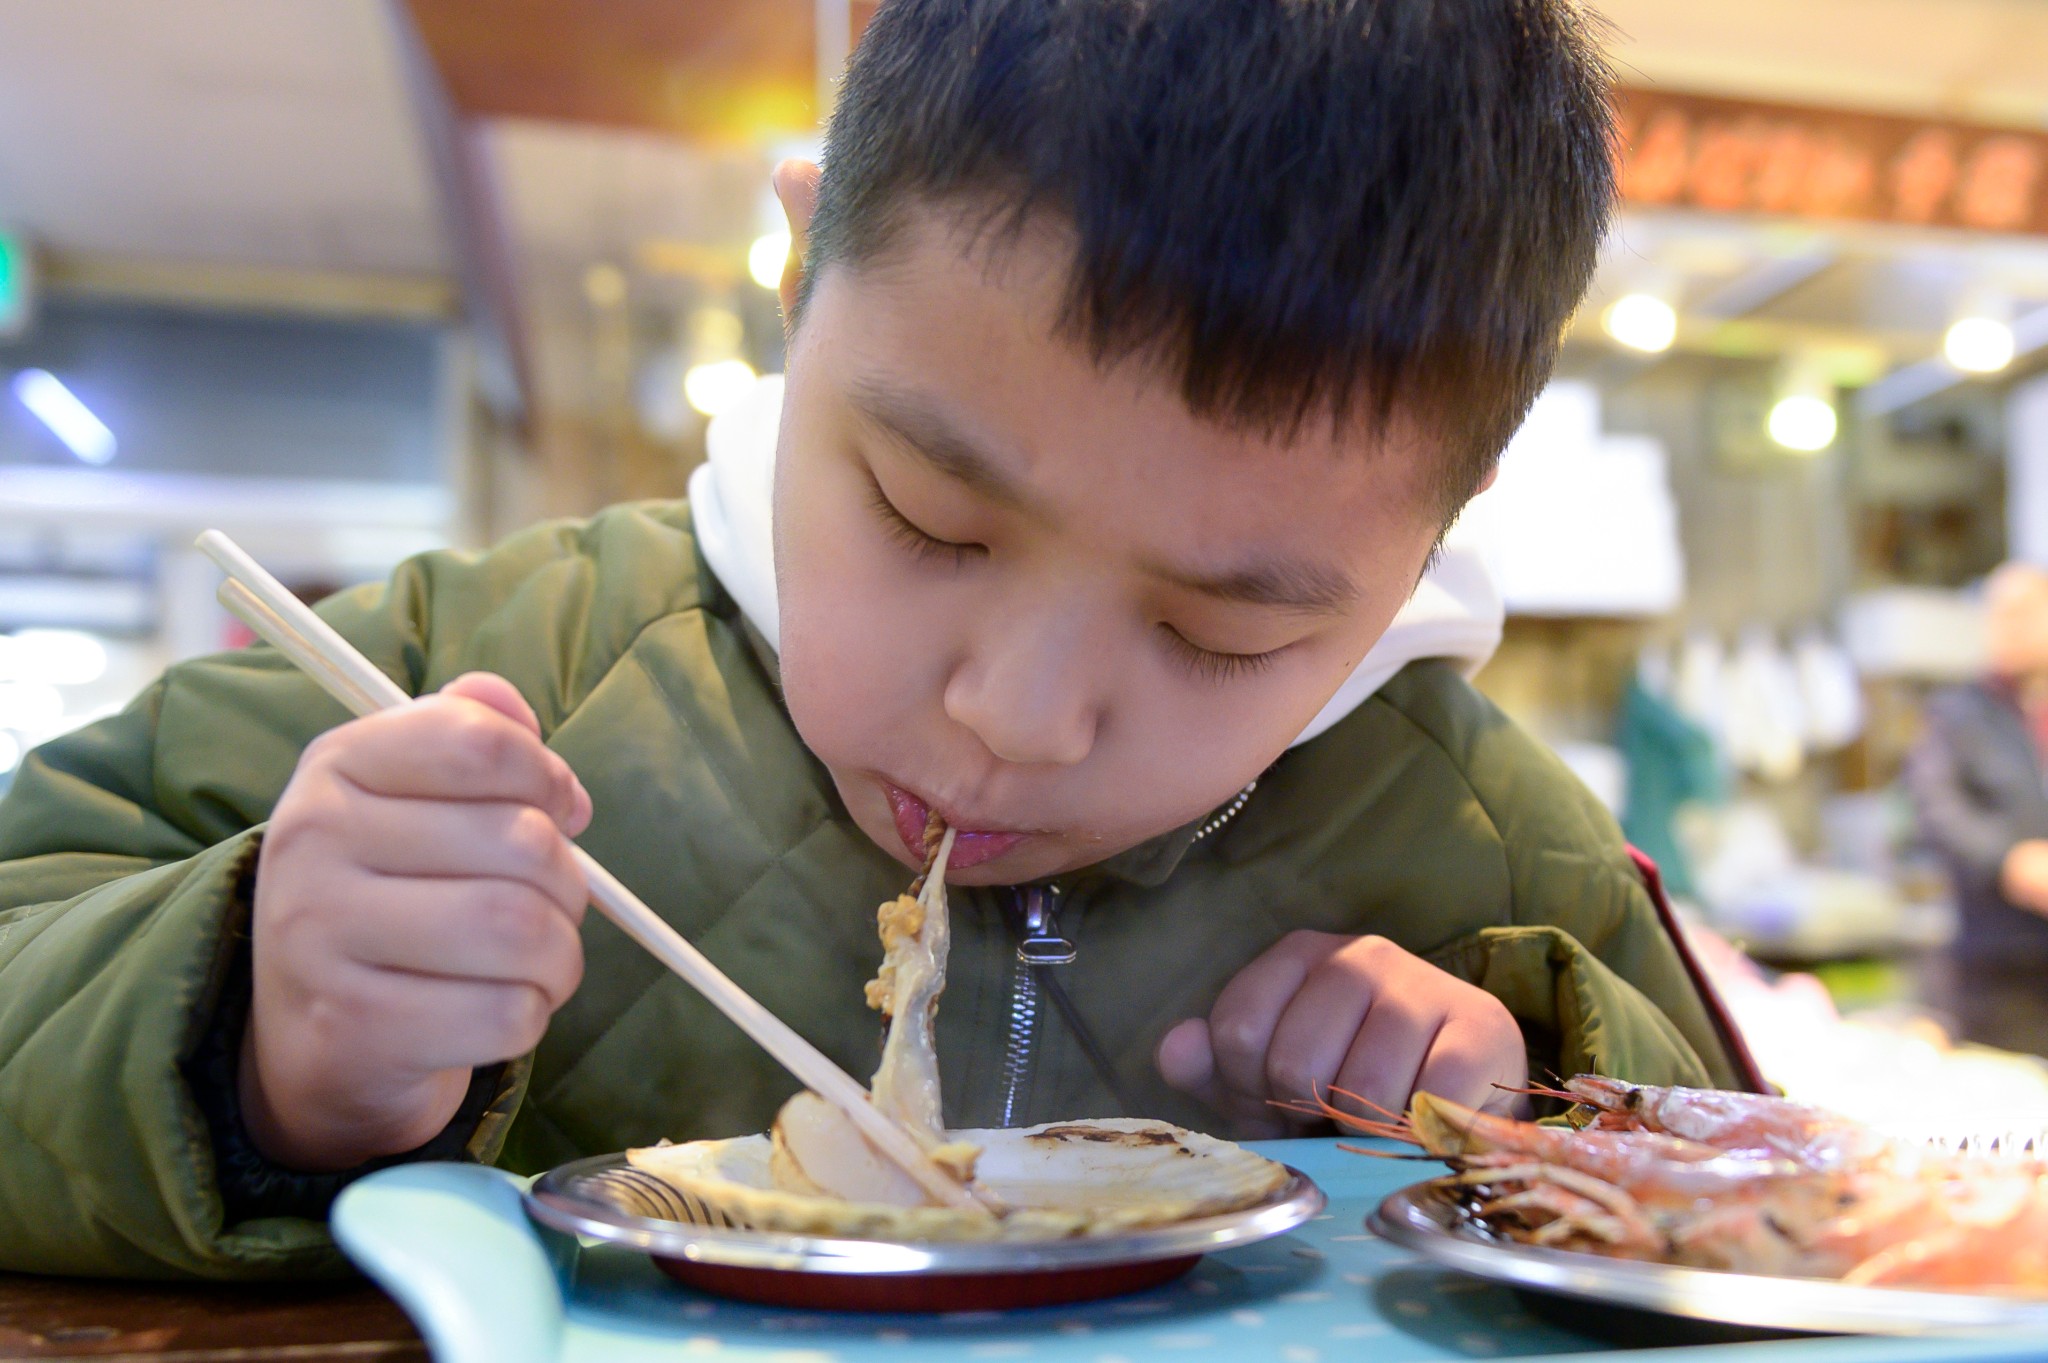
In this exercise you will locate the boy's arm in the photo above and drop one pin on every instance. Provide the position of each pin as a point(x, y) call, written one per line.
point(125, 852)
point(120, 904)
point(1599, 985)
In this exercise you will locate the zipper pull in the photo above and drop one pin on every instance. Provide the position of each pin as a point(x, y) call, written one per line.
point(1041, 943)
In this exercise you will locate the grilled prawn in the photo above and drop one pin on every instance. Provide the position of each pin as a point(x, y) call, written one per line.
point(1739, 1182)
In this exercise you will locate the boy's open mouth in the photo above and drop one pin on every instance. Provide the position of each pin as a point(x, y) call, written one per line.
point(971, 846)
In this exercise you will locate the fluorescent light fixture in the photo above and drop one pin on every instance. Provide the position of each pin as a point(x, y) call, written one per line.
point(30, 706)
point(712, 388)
point(1979, 345)
point(61, 657)
point(1803, 422)
point(1642, 321)
point(70, 420)
point(766, 257)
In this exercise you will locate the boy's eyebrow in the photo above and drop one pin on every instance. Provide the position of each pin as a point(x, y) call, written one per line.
point(1288, 584)
point(927, 432)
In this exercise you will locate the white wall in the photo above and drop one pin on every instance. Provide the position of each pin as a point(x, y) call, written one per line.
point(2026, 471)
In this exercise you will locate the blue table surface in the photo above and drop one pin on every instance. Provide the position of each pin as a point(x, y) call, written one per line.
point(453, 1245)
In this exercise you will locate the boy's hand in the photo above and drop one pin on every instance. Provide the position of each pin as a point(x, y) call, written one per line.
point(416, 916)
point(1320, 1011)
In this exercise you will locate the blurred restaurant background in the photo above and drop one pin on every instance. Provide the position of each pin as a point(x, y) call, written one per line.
point(351, 279)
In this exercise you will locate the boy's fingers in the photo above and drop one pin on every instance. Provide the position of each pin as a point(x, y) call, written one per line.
point(1456, 1073)
point(1316, 1031)
point(447, 1023)
point(1471, 1056)
point(492, 690)
point(488, 688)
point(1388, 1051)
point(1187, 1062)
point(456, 838)
point(492, 930)
point(455, 748)
point(1247, 1011)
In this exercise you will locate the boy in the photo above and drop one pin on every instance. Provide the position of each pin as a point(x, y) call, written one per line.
point(1139, 355)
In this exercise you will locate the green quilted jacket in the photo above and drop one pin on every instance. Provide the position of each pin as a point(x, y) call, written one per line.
point(125, 848)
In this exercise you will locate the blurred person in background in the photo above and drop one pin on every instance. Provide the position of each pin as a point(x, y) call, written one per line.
point(1976, 779)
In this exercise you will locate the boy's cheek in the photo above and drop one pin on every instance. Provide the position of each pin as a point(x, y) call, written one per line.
point(849, 647)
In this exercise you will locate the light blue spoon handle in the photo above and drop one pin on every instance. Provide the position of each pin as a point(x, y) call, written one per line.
point(451, 1243)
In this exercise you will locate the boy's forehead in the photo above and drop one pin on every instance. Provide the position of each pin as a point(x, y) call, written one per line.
point(950, 351)
point(920, 426)
point(963, 320)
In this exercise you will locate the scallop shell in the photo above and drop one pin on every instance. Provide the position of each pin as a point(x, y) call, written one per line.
point(1062, 1179)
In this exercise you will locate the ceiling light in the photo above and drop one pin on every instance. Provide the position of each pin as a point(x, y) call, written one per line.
point(1642, 321)
point(604, 285)
point(712, 388)
point(70, 420)
point(1978, 345)
point(766, 258)
point(714, 333)
point(62, 657)
point(1803, 422)
point(30, 706)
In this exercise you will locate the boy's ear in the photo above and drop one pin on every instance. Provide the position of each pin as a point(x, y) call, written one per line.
point(796, 186)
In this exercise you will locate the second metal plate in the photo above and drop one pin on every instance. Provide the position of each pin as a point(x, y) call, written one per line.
point(1427, 1218)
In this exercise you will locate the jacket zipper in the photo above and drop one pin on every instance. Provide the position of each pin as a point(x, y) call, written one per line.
point(1033, 912)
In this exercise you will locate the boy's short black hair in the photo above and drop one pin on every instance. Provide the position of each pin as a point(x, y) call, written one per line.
point(1300, 207)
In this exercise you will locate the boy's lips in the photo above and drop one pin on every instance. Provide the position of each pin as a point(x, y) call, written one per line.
point(971, 846)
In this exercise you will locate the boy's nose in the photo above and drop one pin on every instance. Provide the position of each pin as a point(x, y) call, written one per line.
point(1027, 694)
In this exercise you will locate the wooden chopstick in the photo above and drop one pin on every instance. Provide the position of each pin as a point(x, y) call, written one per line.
point(244, 603)
point(263, 603)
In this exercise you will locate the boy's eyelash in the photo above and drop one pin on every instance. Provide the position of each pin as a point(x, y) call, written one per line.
point(1205, 663)
point(1211, 665)
point(906, 534)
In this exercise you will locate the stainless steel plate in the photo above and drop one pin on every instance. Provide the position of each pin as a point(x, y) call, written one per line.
point(1427, 1218)
point(579, 1198)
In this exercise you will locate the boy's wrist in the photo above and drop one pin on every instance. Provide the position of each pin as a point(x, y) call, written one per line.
point(302, 1133)
point(253, 1183)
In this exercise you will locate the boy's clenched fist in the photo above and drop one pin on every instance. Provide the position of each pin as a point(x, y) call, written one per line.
point(416, 916)
point(1319, 1011)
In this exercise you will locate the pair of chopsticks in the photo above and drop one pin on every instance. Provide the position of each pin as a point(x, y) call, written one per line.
point(287, 623)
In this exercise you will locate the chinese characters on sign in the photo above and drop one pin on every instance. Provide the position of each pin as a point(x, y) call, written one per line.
point(1736, 156)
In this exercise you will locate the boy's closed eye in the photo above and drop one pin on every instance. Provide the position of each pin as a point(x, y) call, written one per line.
point(919, 542)
point(1215, 664)
point(1208, 662)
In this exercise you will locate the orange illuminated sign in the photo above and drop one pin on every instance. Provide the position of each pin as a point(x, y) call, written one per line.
point(1739, 156)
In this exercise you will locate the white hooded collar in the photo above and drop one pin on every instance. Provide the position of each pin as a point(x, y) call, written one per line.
point(1455, 613)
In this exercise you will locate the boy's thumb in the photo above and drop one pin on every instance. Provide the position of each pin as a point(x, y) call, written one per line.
point(571, 810)
point(1186, 1061)
point(488, 688)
